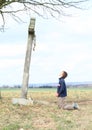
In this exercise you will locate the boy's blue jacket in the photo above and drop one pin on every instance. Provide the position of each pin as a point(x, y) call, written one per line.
point(61, 89)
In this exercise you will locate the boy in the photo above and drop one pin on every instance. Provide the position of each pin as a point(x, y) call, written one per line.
point(62, 93)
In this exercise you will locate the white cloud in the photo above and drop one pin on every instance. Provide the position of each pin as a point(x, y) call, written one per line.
point(59, 46)
point(8, 63)
point(11, 50)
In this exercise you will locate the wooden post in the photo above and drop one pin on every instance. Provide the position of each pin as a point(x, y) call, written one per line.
point(31, 35)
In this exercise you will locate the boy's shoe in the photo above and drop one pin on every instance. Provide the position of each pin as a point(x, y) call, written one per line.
point(75, 106)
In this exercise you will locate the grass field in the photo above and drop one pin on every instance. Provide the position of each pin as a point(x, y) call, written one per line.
point(46, 117)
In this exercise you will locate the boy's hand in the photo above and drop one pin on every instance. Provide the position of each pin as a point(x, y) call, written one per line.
point(56, 94)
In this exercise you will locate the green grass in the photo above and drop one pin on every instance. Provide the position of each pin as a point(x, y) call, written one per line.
point(46, 117)
point(11, 127)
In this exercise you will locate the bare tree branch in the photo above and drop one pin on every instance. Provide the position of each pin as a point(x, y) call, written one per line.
point(40, 7)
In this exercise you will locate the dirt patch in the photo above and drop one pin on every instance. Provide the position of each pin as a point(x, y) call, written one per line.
point(40, 123)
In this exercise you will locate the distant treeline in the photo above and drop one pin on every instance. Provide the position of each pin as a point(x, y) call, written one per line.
point(49, 86)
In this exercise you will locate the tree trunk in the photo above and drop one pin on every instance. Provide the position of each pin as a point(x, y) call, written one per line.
point(28, 59)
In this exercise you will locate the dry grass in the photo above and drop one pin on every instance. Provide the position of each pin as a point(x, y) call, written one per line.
point(44, 117)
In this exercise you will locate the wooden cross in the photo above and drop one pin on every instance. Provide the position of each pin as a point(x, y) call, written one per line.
point(31, 35)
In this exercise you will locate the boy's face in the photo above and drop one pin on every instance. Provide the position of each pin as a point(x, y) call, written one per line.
point(62, 74)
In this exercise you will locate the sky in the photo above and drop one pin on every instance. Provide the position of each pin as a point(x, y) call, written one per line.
point(64, 44)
